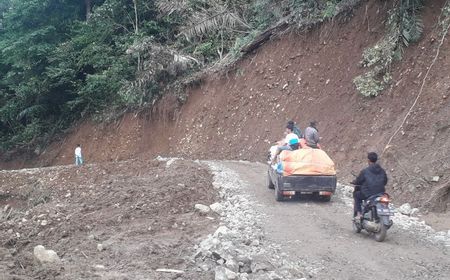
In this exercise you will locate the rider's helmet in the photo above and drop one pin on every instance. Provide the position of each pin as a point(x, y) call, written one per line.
point(372, 157)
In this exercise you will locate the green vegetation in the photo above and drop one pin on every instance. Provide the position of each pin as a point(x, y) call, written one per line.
point(62, 60)
point(404, 26)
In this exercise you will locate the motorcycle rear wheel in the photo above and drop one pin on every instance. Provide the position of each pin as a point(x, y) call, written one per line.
point(381, 234)
point(356, 228)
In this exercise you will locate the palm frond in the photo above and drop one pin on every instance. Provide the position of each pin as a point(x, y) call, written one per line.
point(205, 24)
point(412, 30)
point(167, 7)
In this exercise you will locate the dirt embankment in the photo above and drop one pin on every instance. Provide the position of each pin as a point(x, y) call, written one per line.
point(301, 76)
point(114, 220)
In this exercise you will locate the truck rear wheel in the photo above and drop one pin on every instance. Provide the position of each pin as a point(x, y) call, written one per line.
point(270, 184)
point(278, 194)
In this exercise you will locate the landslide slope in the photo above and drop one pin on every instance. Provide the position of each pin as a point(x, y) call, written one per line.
point(301, 76)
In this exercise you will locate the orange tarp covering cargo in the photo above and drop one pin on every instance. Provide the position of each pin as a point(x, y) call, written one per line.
point(306, 162)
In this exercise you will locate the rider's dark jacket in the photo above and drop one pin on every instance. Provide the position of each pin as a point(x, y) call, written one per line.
point(372, 180)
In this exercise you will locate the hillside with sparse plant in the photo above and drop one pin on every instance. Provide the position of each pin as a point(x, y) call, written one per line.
point(62, 61)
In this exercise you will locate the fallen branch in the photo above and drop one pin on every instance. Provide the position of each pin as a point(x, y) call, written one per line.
point(266, 35)
point(7, 216)
point(284, 24)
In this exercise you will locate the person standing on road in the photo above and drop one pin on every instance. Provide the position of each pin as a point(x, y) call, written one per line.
point(312, 135)
point(78, 156)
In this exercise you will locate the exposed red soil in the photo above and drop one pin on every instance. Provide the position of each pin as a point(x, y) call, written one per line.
point(301, 76)
point(142, 212)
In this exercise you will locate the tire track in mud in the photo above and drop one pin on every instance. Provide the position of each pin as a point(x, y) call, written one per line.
point(318, 236)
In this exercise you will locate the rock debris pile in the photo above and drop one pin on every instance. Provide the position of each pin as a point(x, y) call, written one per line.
point(237, 249)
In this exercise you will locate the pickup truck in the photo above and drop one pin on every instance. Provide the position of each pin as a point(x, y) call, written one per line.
point(321, 187)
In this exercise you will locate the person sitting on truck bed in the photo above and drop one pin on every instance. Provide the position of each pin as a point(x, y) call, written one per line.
point(295, 129)
point(312, 135)
point(294, 144)
point(283, 144)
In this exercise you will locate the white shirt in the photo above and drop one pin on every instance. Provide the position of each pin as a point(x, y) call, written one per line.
point(289, 137)
point(78, 151)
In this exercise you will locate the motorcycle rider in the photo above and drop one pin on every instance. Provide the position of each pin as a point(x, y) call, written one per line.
point(371, 180)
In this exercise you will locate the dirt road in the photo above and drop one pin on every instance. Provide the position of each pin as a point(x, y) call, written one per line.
point(319, 236)
point(142, 215)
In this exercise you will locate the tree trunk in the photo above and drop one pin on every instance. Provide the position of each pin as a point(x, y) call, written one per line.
point(265, 35)
point(88, 4)
point(136, 18)
point(136, 31)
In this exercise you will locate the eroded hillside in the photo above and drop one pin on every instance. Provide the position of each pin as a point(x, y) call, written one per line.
point(302, 76)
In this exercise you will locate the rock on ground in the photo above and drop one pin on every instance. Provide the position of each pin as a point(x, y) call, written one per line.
point(405, 209)
point(203, 209)
point(45, 256)
point(223, 273)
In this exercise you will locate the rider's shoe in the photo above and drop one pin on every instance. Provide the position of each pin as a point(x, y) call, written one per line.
point(357, 218)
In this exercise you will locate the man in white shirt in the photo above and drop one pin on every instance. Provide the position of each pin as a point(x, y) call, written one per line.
point(78, 156)
point(289, 137)
point(284, 144)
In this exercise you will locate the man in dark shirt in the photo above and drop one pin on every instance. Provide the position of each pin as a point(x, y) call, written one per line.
point(371, 180)
point(312, 135)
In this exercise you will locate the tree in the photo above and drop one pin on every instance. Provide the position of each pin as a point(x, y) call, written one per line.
point(27, 42)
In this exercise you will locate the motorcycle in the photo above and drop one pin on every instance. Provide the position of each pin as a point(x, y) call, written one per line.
point(376, 216)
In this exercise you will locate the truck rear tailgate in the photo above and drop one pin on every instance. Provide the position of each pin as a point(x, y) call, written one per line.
point(307, 183)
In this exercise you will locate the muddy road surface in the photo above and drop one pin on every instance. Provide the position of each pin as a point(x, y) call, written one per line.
point(319, 236)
